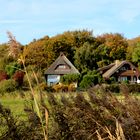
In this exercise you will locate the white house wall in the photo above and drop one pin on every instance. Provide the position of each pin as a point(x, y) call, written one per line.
point(53, 79)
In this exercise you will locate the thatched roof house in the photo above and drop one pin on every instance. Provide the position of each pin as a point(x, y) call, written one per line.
point(121, 71)
point(59, 67)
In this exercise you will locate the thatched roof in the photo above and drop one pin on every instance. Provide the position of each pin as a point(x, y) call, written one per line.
point(112, 68)
point(61, 60)
point(105, 68)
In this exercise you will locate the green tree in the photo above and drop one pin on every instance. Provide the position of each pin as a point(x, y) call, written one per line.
point(136, 55)
point(90, 79)
point(69, 41)
point(86, 57)
point(70, 78)
point(82, 36)
point(132, 44)
point(41, 53)
point(11, 68)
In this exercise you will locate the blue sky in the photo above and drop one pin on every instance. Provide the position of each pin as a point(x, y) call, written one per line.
point(33, 19)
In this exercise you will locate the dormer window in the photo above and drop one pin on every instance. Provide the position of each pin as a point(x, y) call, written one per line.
point(123, 68)
point(62, 66)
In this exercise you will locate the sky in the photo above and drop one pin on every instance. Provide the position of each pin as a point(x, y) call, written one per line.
point(34, 19)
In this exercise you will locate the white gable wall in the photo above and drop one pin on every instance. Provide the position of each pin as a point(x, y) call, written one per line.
point(53, 79)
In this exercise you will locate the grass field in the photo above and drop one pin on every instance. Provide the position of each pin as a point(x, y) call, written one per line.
point(16, 103)
point(80, 113)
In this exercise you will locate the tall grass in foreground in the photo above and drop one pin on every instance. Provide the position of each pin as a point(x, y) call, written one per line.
point(77, 116)
point(16, 52)
point(94, 116)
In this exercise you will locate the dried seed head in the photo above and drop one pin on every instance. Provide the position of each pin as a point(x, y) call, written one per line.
point(14, 46)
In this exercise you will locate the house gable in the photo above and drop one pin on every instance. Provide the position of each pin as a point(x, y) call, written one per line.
point(119, 68)
point(59, 67)
point(121, 71)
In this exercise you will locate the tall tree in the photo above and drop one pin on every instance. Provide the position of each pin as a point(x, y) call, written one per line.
point(132, 44)
point(114, 46)
point(69, 41)
point(86, 57)
point(38, 54)
point(136, 55)
point(4, 59)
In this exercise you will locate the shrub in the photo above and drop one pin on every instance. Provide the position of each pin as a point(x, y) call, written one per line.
point(60, 88)
point(18, 77)
point(71, 87)
point(7, 86)
point(11, 68)
point(34, 76)
point(25, 85)
point(32, 80)
point(3, 75)
point(113, 88)
point(2, 63)
point(90, 79)
point(43, 86)
point(57, 87)
point(133, 88)
point(70, 78)
point(64, 88)
point(110, 80)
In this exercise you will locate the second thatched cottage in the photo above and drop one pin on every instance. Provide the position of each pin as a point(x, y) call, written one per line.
point(121, 71)
point(59, 67)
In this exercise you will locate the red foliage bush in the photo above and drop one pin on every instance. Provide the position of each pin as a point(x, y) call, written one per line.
point(3, 75)
point(18, 77)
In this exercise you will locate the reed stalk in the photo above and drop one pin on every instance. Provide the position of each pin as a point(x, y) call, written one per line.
point(15, 52)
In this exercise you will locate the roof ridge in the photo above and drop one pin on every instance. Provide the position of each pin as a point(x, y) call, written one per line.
point(111, 71)
point(61, 60)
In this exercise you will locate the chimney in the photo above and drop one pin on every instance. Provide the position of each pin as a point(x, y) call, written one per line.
point(61, 53)
point(117, 62)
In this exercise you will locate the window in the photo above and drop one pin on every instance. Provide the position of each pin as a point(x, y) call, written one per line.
point(123, 68)
point(123, 78)
point(62, 66)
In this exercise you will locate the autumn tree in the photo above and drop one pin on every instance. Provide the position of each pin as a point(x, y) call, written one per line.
point(62, 43)
point(4, 58)
point(38, 54)
point(69, 41)
point(132, 44)
point(113, 46)
point(82, 36)
point(41, 53)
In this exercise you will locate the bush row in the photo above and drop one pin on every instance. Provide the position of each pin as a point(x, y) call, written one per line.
point(58, 87)
point(117, 88)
